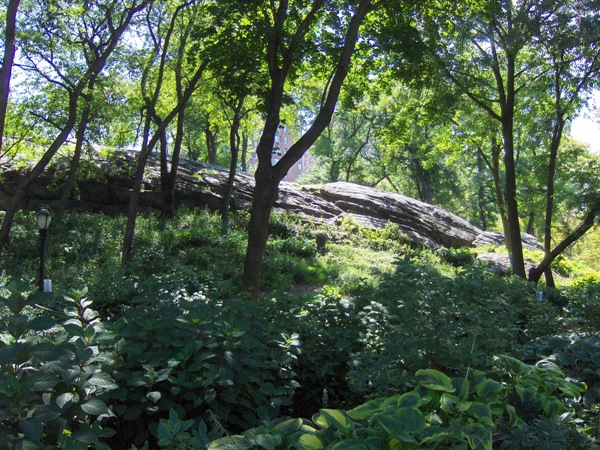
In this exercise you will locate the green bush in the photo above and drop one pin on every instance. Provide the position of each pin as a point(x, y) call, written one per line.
point(516, 405)
point(54, 381)
point(419, 317)
point(201, 359)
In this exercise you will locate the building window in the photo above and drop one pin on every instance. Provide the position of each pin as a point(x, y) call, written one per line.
point(300, 166)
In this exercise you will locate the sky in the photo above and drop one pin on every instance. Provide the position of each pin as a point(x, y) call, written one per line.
point(585, 129)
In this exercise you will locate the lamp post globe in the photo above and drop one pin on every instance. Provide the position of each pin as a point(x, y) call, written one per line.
point(43, 218)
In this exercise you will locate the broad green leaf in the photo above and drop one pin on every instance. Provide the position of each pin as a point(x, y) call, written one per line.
point(413, 399)
point(95, 407)
point(462, 388)
point(287, 426)
point(479, 437)
point(526, 394)
point(102, 379)
point(154, 396)
point(365, 410)
point(351, 444)
point(338, 419)
point(310, 442)
point(41, 323)
point(488, 388)
point(512, 414)
point(452, 404)
point(403, 423)
point(268, 441)
point(67, 398)
point(231, 442)
point(481, 412)
point(432, 379)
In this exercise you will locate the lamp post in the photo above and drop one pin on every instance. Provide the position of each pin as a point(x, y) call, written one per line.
point(44, 218)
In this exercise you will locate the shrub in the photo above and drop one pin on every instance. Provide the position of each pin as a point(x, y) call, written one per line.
point(201, 359)
point(517, 404)
point(53, 380)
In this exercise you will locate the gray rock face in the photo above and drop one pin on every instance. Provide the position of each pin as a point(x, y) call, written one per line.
point(202, 185)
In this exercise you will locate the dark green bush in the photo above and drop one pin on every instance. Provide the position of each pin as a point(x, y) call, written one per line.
point(520, 406)
point(203, 360)
point(54, 380)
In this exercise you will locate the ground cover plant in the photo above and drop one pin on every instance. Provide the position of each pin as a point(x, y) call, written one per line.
point(349, 345)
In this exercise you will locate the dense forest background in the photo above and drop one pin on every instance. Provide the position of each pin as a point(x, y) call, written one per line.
point(464, 105)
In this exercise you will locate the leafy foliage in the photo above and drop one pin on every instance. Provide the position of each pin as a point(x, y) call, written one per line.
point(174, 359)
point(516, 408)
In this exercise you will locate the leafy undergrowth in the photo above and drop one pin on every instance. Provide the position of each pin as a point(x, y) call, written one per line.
point(163, 353)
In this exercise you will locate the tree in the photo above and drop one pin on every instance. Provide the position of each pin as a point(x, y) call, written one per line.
point(7, 62)
point(69, 52)
point(574, 55)
point(287, 31)
point(151, 91)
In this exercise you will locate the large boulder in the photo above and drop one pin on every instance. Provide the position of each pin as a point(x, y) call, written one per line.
point(106, 189)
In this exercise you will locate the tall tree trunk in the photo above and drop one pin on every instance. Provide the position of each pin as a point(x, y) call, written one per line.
point(127, 250)
point(169, 206)
point(424, 183)
point(507, 106)
point(10, 31)
point(268, 176)
point(164, 161)
point(211, 144)
point(588, 222)
point(79, 142)
point(37, 170)
point(234, 145)
point(481, 192)
point(530, 222)
point(244, 156)
point(134, 197)
point(496, 151)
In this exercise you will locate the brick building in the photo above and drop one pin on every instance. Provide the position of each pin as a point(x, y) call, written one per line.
point(283, 141)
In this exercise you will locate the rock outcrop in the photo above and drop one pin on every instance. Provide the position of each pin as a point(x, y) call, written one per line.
point(106, 189)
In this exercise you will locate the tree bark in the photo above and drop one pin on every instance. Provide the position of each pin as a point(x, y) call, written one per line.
point(588, 222)
point(10, 31)
point(234, 145)
point(143, 158)
point(211, 144)
point(79, 142)
point(268, 176)
point(93, 70)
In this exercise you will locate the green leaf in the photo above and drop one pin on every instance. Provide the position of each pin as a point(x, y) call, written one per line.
point(310, 442)
point(366, 410)
point(489, 388)
point(479, 437)
point(95, 407)
point(287, 426)
point(73, 329)
point(267, 441)
point(42, 323)
point(403, 424)
point(512, 414)
point(154, 396)
point(350, 444)
point(338, 419)
point(231, 442)
point(452, 404)
point(432, 379)
point(481, 412)
point(526, 394)
point(102, 379)
point(66, 399)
